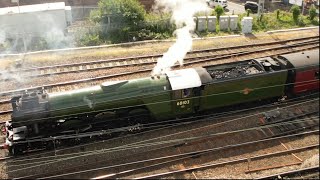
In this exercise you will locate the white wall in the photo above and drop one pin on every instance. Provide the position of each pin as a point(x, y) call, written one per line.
point(33, 23)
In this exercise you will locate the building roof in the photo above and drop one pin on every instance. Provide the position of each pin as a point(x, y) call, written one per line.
point(33, 8)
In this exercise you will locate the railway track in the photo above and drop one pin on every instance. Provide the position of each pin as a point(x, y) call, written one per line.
point(189, 61)
point(215, 165)
point(304, 173)
point(76, 84)
point(147, 165)
point(184, 147)
point(143, 60)
point(277, 131)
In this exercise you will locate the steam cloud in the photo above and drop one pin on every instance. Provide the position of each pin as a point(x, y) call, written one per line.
point(182, 16)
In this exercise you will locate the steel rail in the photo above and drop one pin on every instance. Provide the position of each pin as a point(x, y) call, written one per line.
point(115, 63)
point(303, 170)
point(110, 131)
point(5, 112)
point(159, 55)
point(283, 105)
point(225, 162)
point(20, 91)
point(203, 137)
point(184, 155)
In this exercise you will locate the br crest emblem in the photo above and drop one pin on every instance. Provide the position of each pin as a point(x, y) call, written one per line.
point(246, 91)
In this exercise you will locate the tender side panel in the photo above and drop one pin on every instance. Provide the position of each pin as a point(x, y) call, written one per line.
point(243, 90)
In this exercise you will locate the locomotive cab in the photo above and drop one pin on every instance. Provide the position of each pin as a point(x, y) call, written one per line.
point(186, 85)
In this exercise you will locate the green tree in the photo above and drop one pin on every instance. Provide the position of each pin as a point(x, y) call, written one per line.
point(119, 20)
point(295, 12)
point(312, 12)
point(219, 11)
point(129, 11)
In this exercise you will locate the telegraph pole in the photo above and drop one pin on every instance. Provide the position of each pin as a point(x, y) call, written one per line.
point(260, 8)
point(302, 7)
point(19, 61)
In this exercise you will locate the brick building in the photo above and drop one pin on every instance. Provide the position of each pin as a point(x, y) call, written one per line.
point(8, 3)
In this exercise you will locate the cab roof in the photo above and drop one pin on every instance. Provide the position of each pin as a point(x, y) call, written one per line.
point(303, 59)
point(184, 79)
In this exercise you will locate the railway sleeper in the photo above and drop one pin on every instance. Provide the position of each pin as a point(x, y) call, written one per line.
point(292, 131)
point(292, 117)
point(264, 133)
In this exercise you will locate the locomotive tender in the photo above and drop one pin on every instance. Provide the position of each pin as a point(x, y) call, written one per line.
point(176, 94)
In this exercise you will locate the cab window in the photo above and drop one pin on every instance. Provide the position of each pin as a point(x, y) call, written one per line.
point(186, 92)
point(177, 94)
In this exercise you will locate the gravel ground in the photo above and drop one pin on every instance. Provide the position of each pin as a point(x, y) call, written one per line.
point(46, 59)
point(237, 170)
point(65, 77)
point(3, 174)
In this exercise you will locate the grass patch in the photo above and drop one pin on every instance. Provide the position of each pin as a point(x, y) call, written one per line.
point(268, 22)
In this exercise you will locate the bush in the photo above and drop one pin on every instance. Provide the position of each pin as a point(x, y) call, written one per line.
point(219, 11)
point(295, 13)
point(128, 11)
point(90, 40)
point(213, 13)
point(301, 21)
point(312, 13)
point(119, 21)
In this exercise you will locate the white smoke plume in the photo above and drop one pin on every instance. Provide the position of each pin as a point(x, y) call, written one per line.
point(183, 12)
